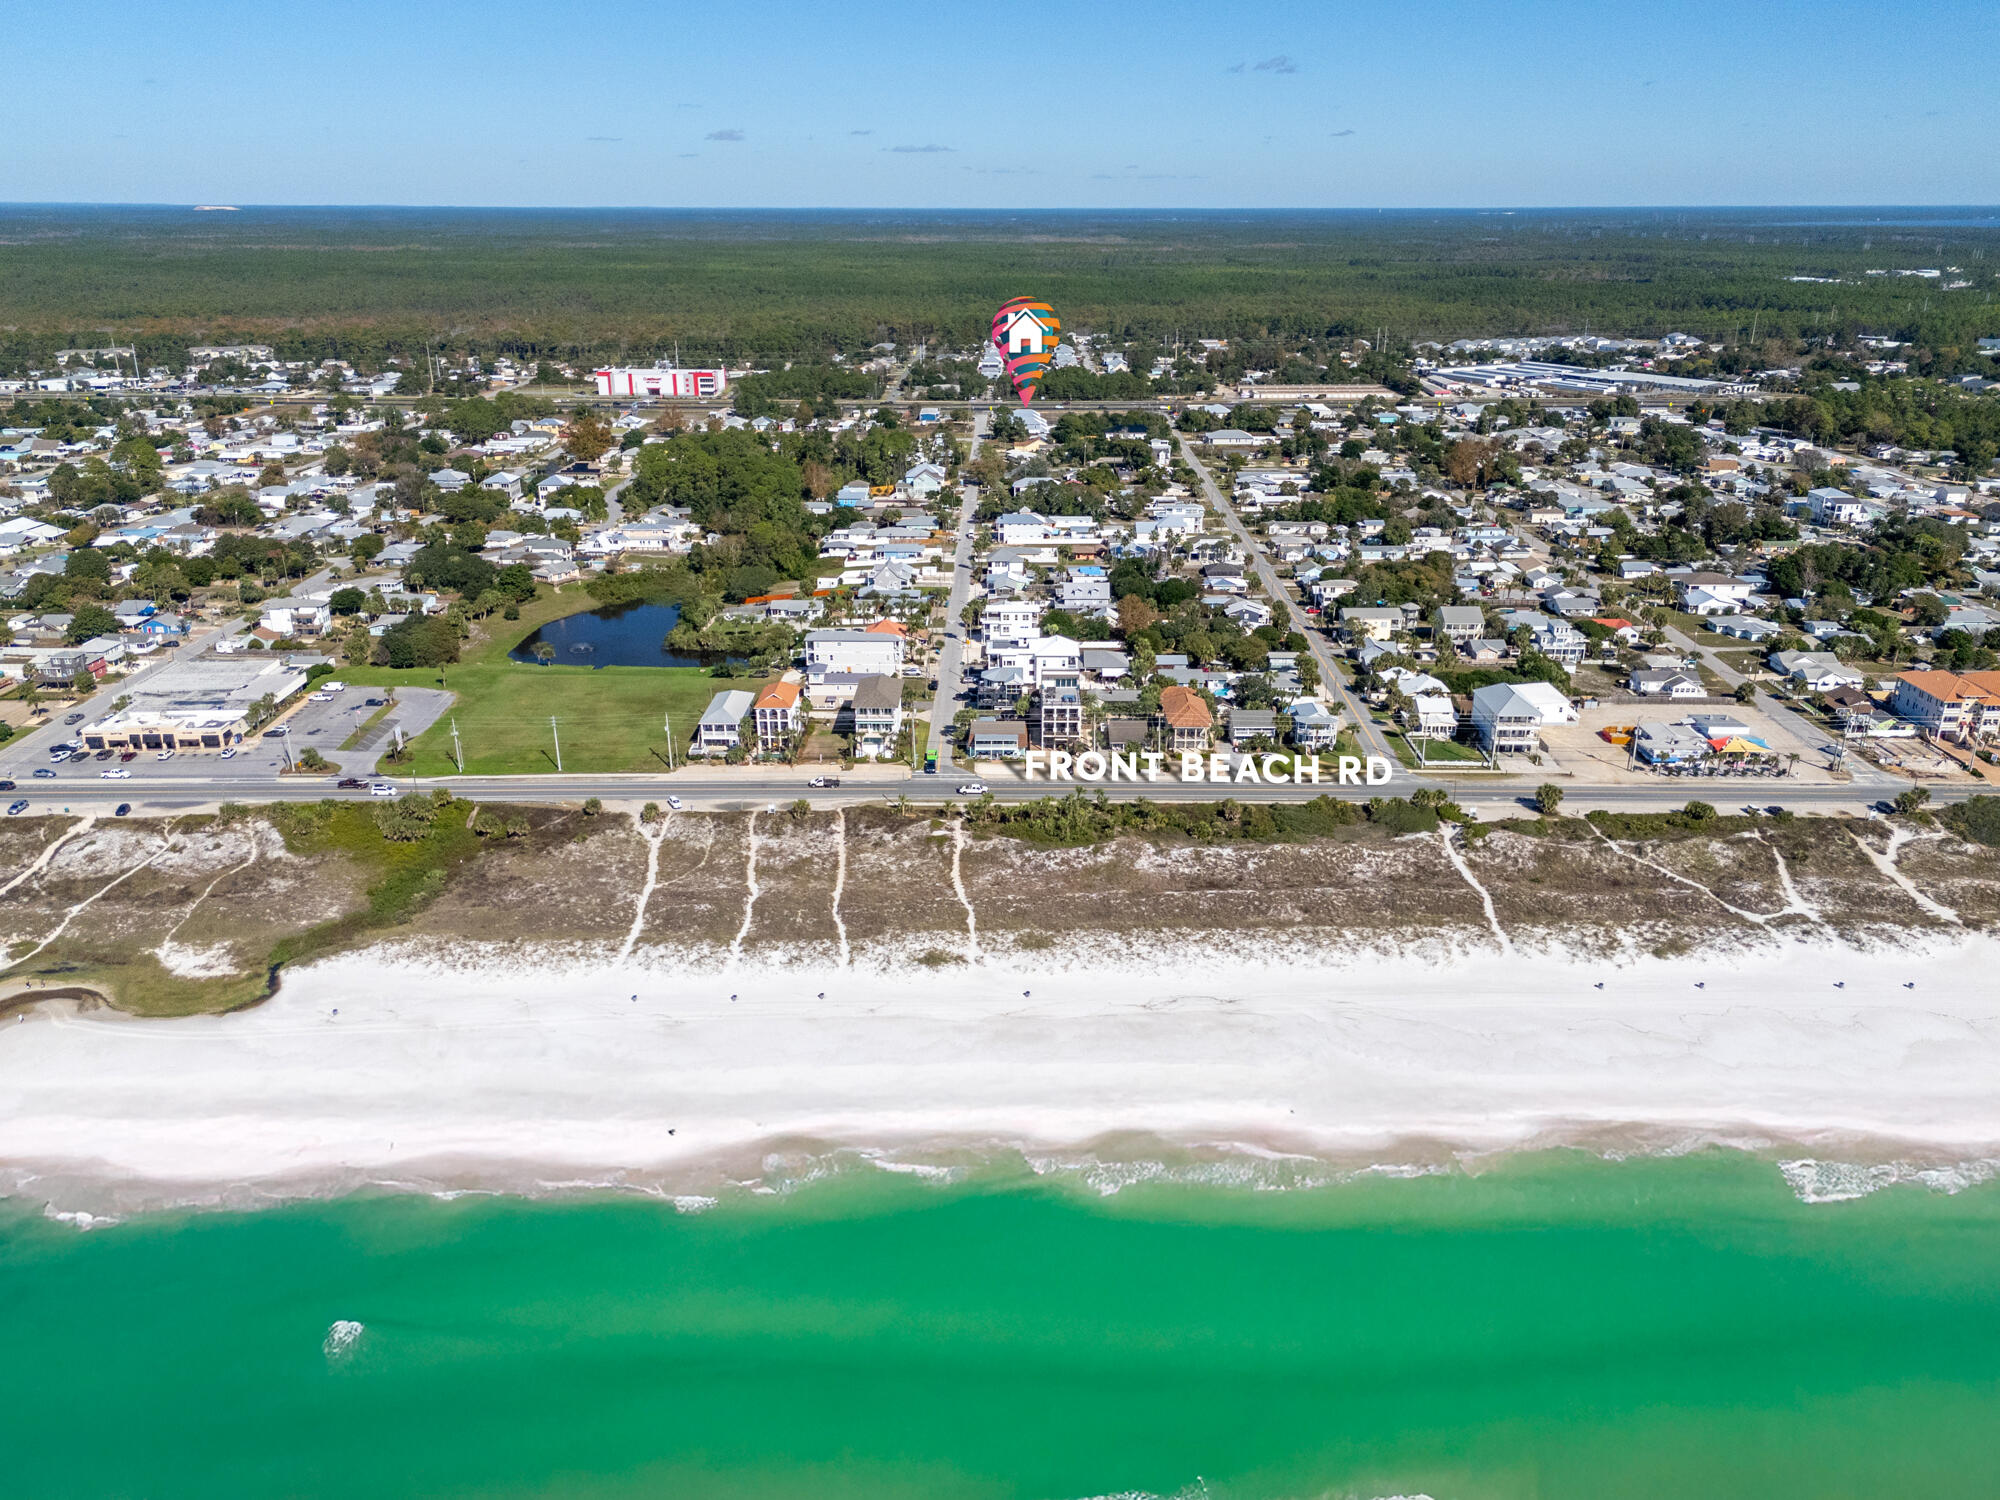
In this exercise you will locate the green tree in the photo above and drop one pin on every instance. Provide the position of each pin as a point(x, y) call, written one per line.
point(1548, 798)
point(88, 621)
point(1913, 800)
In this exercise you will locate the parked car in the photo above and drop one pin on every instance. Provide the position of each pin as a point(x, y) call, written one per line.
point(381, 789)
point(122, 809)
point(278, 731)
point(43, 771)
point(972, 789)
point(164, 755)
point(230, 753)
point(824, 781)
point(128, 754)
point(673, 802)
point(15, 809)
point(104, 754)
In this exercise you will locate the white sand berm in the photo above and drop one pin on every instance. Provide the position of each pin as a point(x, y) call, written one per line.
point(502, 1076)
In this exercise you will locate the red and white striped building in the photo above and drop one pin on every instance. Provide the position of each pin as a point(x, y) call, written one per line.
point(699, 385)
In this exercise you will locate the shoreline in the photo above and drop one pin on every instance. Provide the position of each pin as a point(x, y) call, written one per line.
point(470, 1071)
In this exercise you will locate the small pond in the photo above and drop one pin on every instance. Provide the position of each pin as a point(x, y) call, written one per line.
point(633, 634)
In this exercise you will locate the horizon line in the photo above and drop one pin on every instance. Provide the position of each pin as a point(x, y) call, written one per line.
point(1494, 208)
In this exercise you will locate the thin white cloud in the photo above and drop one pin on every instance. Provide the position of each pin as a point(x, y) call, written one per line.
point(916, 150)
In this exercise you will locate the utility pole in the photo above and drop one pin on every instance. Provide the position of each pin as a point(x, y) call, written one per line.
point(558, 739)
point(457, 751)
point(667, 728)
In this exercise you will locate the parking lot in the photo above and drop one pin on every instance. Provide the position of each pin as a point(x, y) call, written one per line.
point(1579, 750)
point(323, 721)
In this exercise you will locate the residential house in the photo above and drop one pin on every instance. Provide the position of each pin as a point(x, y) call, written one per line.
point(776, 710)
point(1962, 706)
point(877, 715)
point(1433, 716)
point(1248, 725)
point(1656, 682)
point(720, 728)
point(1314, 725)
point(1459, 623)
point(1508, 716)
point(1815, 670)
point(1186, 717)
point(997, 739)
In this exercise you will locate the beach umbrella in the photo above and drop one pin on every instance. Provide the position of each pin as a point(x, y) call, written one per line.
point(1025, 331)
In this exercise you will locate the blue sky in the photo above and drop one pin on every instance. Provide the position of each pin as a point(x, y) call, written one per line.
point(842, 103)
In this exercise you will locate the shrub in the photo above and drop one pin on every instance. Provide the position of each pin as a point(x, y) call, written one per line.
point(1548, 799)
point(592, 806)
point(407, 819)
point(1976, 818)
point(650, 813)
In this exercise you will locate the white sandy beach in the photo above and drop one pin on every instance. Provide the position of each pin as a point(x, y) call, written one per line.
point(498, 1077)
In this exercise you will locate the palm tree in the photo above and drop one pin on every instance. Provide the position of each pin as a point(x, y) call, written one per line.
point(544, 652)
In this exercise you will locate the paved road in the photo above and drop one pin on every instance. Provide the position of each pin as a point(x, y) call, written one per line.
point(80, 791)
point(1372, 741)
point(951, 659)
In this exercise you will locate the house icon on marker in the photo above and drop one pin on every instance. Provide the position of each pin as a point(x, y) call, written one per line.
point(1026, 332)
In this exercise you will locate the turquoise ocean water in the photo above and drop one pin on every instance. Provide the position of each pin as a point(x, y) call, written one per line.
point(1558, 1326)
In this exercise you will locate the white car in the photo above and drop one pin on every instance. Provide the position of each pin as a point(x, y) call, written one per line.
point(116, 773)
point(164, 755)
point(674, 802)
point(972, 789)
point(230, 753)
point(333, 687)
point(381, 789)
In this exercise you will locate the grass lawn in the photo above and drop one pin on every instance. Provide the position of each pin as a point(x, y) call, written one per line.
point(609, 718)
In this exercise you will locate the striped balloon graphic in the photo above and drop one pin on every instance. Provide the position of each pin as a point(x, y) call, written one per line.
point(1025, 331)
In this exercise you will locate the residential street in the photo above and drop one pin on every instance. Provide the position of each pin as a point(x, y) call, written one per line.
point(951, 656)
point(1372, 740)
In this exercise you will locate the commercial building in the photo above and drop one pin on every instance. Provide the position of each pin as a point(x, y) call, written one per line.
point(201, 704)
point(696, 385)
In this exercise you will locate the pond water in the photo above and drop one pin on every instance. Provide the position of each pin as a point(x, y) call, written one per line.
point(633, 634)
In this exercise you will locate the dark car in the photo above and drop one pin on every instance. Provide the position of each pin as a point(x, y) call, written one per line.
point(125, 755)
point(6, 786)
point(74, 718)
point(44, 771)
point(121, 810)
point(105, 754)
point(349, 783)
point(1881, 807)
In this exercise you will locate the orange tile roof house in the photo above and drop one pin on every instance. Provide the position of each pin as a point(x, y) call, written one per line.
point(1952, 705)
point(1187, 718)
point(777, 711)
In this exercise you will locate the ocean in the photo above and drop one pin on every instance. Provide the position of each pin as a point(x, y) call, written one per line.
point(1553, 1325)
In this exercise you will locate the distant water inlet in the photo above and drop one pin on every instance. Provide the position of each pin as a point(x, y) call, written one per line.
point(619, 635)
